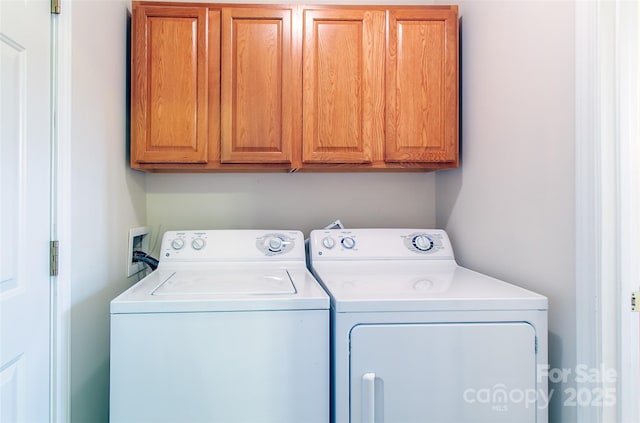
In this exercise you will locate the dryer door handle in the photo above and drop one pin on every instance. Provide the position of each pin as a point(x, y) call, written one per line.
point(369, 399)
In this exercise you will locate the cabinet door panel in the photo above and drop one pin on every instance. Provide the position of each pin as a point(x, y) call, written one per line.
point(422, 95)
point(343, 104)
point(169, 85)
point(257, 91)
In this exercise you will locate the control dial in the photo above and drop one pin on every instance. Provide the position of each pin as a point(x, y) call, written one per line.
point(198, 244)
point(422, 242)
point(328, 242)
point(177, 244)
point(348, 242)
point(275, 244)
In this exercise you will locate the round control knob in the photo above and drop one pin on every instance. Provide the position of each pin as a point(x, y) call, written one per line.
point(422, 242)
point(348, 242)
point(275, 244)
point(328, 242)
point(198, 244)
point(177, 244)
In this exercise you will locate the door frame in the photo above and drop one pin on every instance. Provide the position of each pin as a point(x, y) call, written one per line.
point(607, 205)
point(61, 78)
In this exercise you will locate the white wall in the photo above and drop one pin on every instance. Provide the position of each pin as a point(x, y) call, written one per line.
point(302, 201)
point(106, 197)
point(510, 208)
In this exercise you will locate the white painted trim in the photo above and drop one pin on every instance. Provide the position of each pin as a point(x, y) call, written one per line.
point(607, 306)
point(53, 292)
point(61, 360)
point(588, 216)
point(607, 202)
point(628, 114)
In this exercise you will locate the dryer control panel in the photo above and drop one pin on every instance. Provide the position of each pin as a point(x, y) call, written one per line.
point(232, 245)
point(380, 244)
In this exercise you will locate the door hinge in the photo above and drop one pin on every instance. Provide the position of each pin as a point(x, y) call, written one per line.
point(55, 7)
point(53, 258)
point(635, 301)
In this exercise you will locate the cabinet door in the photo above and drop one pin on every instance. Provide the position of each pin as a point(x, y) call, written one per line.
point(422, 86)
point(169, 85)
point(258, 89)
point(343, 85)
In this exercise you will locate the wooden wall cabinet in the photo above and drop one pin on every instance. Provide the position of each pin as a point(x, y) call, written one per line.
point(213, 87)
point(259, 95)
point(240, 87)
point(371, 105)
point(343, 82)
point(422, 86)
point(169, 85)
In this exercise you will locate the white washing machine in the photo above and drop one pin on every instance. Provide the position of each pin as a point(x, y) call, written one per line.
point(231, 327)
point(417, 338)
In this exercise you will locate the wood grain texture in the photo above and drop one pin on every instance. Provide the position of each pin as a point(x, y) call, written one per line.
point(267, 87)
point(422, 86)
point(213, 95)
point(169, 85)
point(343, 84)
point(257, 100)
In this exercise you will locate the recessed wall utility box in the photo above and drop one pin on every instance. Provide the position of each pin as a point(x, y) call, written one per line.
point(138, 241)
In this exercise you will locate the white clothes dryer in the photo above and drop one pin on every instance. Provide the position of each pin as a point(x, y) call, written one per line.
point(417, 338)
point(231, 327)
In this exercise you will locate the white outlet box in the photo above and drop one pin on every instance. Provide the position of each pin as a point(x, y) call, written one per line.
point(138, 241)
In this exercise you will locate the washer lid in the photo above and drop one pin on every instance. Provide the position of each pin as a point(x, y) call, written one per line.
point(418, 286)
point(192, 282)
point(224, 287)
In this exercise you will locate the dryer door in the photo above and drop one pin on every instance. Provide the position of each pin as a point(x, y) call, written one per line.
point(445, 372)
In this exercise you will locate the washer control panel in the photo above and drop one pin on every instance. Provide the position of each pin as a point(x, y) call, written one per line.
point(340, 239)
point(226, 245)
point(366, 244)
point(424, 242)
point(275, 243)
point(183, 242)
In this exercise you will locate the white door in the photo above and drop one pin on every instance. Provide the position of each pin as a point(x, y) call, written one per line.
point(445, 373)
point(24, 210)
